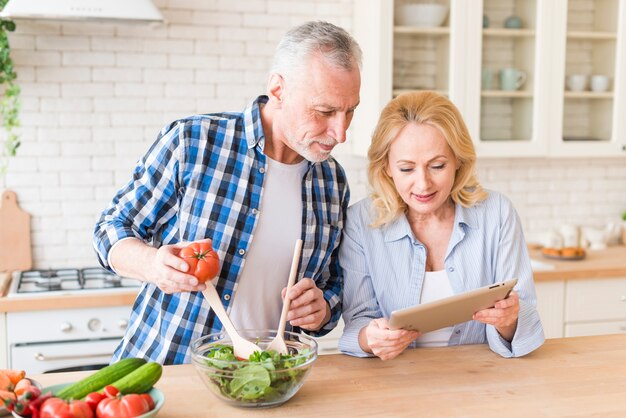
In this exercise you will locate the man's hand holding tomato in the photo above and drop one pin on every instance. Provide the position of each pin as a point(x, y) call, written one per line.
point(185, 267)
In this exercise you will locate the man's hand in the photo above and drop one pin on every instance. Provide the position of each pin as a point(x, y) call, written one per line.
point(377, 338)
point(169, 270)
point(163, 267)
point(308, 308)
point(503, 316)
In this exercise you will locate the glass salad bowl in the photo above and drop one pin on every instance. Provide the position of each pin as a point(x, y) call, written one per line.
point(264, 380)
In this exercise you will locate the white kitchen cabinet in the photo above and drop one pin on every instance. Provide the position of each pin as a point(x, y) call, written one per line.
point(4, 357)
point(571, 308)
point(550, 305)
point(557, 39)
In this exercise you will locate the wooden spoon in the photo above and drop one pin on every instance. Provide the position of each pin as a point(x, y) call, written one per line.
point(241, 347)
point(278, 343)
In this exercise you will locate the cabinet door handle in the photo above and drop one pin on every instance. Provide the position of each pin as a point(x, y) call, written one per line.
point(623, 298)
point(43, 357)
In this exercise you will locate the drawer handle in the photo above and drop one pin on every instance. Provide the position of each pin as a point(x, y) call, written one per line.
point(623, 298)
point(43, 357)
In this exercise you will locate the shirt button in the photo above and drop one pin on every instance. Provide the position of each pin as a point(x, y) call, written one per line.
point(227, 297)
point(262, 170)
point(242, 251)
point(254, 211)
point(451, 269)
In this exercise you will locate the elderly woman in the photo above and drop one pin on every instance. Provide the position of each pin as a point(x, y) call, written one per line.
point(428, 231)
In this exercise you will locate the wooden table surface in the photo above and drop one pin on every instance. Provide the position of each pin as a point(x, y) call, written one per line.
point(569, 377)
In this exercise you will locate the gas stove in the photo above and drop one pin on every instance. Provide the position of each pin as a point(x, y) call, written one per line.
point(68, 281)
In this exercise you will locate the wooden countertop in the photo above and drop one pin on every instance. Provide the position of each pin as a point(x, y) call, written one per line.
point(583, 376)
point(610, 262)
point(69, 301)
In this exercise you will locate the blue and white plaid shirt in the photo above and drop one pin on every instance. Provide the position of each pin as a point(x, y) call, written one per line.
point(203, 178)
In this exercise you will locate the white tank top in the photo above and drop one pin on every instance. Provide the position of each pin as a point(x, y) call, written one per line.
point(436, 286)
point(257, 301)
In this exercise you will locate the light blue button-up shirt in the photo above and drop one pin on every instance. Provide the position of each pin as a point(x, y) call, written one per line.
point(384, 270)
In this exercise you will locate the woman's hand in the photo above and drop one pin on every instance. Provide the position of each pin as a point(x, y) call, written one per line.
point(377, 338)
point(503, 316)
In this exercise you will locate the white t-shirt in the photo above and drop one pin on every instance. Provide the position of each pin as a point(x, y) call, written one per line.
point(257, 301)
point(436, 286)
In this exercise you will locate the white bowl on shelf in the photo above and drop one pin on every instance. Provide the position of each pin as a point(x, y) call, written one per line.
point(425, 15)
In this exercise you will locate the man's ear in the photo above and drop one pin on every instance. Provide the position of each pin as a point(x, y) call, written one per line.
point(276, 88)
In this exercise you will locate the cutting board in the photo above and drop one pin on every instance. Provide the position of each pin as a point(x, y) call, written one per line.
point(15, 249)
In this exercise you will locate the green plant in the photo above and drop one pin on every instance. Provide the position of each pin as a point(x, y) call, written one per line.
point(10, 103)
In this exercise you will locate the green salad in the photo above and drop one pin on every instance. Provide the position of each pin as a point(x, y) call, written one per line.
point(266, 376)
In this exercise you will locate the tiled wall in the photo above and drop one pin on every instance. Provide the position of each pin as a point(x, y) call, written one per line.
point(95, 94)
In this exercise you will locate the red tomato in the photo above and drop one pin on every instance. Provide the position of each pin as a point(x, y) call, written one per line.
point(110, 391)
point(203, 261)
point(58, 408)
point(149, 400)
point(93, 399)
point(127, 406)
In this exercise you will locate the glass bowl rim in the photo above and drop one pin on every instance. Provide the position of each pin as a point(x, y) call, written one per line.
point(201, 341)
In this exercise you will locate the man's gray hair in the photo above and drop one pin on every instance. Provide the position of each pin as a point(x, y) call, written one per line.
point(300, 43)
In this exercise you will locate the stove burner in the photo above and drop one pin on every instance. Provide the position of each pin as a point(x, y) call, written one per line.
point(49, 283)
point(68, 280)
point(114, 281)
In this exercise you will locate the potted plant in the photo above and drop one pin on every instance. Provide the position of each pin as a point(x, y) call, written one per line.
point(9, 101)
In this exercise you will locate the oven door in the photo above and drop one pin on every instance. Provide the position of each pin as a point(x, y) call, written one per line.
point(62, 356)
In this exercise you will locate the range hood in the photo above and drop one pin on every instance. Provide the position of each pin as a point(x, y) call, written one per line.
point(109, 10)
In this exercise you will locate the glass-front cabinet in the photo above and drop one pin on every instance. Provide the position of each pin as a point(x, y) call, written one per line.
point(592, 66)
point(531, 77)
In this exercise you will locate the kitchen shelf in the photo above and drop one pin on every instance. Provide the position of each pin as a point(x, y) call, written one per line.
point(438, 31)
point(397, 92)
point(506, 94)
point(592, 35)
point(509, 33)
point(588, 95)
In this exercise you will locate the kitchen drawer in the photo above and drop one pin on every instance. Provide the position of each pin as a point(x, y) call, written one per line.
point(67, 324)
point(595, 300)
point(595, 328)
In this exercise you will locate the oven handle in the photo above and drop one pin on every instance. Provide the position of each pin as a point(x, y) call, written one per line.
point(42, 357)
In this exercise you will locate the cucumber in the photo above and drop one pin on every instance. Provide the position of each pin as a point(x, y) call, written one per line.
point(140, 380)
point(100, 379)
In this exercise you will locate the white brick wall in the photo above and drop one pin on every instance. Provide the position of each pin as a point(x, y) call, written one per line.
point(96, 94)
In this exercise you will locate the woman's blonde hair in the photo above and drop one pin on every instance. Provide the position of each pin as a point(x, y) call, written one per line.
point(421, 108)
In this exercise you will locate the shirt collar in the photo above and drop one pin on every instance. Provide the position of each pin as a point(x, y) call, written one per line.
point(252, 123)
point(400, 228)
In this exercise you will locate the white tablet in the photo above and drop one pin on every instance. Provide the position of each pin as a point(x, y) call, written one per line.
point(451, 310)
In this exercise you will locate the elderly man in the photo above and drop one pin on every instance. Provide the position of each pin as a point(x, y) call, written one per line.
point(253, 182)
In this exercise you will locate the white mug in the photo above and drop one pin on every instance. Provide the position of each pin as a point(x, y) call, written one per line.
point(577, 82)
point(570, 234)
point(599, 83)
